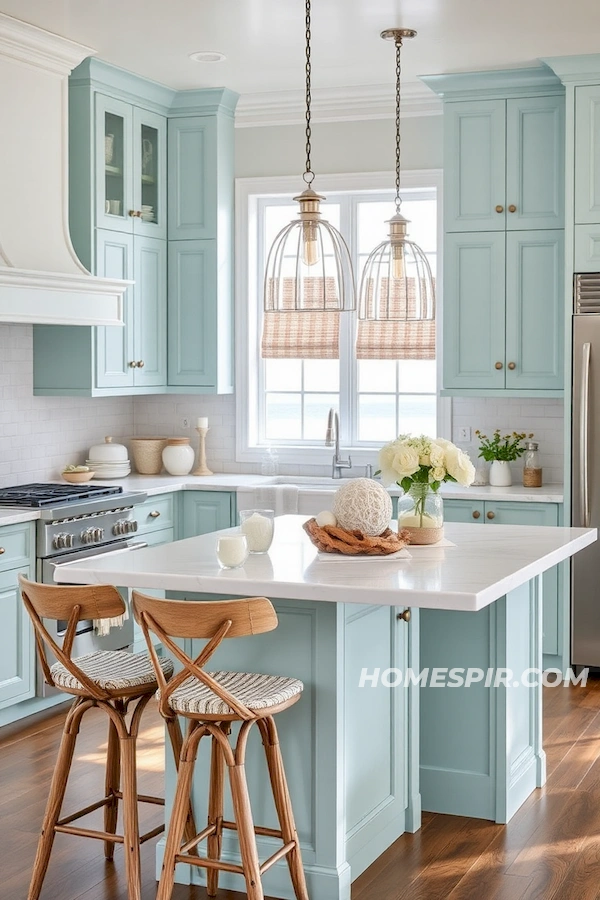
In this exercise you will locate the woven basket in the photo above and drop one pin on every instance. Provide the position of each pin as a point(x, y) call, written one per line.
point(146, 453)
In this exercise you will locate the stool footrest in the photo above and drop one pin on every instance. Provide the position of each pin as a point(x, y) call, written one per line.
point(83, 812)
point(150, 834)
point(90, 832)
point(283, 851)
point(143, 798)
point(206, 832)
point(258, 829)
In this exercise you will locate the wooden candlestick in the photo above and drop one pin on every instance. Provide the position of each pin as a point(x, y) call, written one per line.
point(202, 468)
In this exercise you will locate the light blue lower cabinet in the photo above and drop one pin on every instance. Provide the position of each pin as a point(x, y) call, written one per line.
point(350, 752)
point(555, 641)
point(481, 746)
point(153, 539)
point(205, 511)
point(17, 646)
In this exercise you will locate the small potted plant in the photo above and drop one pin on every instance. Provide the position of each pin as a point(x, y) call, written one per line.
point(500, 450)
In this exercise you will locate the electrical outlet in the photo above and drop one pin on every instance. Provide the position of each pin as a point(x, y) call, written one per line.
point(464, 434)
point(185, 422)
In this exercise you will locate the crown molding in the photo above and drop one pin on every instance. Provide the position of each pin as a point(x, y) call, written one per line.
point(34, 46)
point(584, 69)
point(496, 84)
point(347, 104)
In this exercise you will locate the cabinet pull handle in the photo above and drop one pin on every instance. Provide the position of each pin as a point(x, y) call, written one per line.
point(491, 514)
point(584, 496)
point(140, 364)
point(498, 365)
point(154, 514)
point(404, 615)
point(512, 366)
point(499, 209)
point(2, 550)
point(476, 513)
point(512, 208)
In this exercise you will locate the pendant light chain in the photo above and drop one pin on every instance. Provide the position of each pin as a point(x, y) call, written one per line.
point(308, 172)
point(398, 74)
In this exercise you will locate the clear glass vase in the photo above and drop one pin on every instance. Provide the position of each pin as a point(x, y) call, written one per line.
point(421, 514)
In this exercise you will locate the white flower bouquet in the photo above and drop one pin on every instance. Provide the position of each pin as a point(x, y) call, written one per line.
point(423, 460)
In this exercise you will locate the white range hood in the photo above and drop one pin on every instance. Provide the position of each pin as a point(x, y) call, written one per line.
point(41, 278)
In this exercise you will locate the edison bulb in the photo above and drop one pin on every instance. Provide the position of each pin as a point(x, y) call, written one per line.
point(310, 244)
point(397, 261)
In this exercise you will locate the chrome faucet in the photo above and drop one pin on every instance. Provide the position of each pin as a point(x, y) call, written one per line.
point(333, 425)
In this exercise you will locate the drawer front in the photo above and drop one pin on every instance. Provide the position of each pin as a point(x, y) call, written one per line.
point(17, 651)
point(16, 543)
point(155, 514)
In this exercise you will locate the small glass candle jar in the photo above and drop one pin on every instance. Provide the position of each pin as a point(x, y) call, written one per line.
point(232, 550)
point(257, 525)
point(532, 470)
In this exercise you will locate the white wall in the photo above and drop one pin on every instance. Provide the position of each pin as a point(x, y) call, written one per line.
point(339, 147)
point(40, 435)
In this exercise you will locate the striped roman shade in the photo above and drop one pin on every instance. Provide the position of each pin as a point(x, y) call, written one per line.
point(310, 333)
point(397, 333)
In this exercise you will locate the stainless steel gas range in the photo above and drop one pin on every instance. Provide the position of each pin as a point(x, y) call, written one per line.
point(78, 521)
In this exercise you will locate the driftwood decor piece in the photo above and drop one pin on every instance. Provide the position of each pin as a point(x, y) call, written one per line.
point(333, 539)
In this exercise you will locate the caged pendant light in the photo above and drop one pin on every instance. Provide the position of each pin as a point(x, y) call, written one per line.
point(308, 266)
point(397, 284)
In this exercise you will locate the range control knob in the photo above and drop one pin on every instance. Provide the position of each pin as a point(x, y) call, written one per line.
point(62, 541)
point(87, 536)
point(133, 525)
point(98, 534)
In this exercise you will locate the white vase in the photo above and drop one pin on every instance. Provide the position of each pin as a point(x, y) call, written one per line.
point(500, 475)
point(178, 456)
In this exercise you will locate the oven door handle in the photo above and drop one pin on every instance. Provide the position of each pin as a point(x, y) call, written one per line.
point(137, 545)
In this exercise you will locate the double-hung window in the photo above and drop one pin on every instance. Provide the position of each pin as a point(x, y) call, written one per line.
point(285, 401)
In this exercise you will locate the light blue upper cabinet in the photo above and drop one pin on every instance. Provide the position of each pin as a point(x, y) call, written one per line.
point(504, 164)
point(200, 180)
point(115, 354)
point(474, 165)
point(534, 309)
point(192, 183)
point(150, 312)
point(587, 154)
point(474, 310)
point(504, 188)
point(535, 139)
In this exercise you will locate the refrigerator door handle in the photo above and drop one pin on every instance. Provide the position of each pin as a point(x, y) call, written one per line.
point(584, 493)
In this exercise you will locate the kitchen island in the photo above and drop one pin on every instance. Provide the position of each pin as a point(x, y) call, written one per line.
point(360, 757)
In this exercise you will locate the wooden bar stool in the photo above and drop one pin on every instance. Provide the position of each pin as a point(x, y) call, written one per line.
point(212, 701)
point(110, 680)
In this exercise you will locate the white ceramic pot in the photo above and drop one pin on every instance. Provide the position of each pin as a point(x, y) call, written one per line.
point(500, 475)
point(178, 456)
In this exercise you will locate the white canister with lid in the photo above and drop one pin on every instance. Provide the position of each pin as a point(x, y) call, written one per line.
point(178, 456)
point(108, 452)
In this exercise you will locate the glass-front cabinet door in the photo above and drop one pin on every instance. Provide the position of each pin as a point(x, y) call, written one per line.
point(149, 173)
point(114, 152)
point(131, 166)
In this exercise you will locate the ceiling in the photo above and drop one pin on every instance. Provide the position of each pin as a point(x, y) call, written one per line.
point(263, 40)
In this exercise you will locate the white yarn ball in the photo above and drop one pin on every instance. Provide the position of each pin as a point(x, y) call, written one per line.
point(325, 518)
point(363, 505)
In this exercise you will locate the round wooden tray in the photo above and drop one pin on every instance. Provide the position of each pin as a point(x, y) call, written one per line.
point(333, 539)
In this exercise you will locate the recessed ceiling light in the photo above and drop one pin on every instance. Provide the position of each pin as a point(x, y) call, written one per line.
point(208, 56)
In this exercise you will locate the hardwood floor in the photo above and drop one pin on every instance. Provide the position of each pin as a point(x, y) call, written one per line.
point(549, 851)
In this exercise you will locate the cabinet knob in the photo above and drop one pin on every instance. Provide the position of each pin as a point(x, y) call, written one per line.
point(2, 550)
point(476, 514)
point(140, 363)
point(512, 208)
point(512, 366)
point(499, 209)
point(498, 365)
point(491, 514)
point(154, 514)
point(404, 615)
point(132, 364)
point(132, 212)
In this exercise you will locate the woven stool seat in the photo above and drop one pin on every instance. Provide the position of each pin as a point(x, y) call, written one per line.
point(254, 691)
point(112, 670)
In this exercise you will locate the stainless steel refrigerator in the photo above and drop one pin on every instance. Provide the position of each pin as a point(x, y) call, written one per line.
point(585, 468)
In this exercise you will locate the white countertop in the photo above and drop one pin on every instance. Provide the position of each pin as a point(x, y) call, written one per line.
point(154, 485)
point(484, 565)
